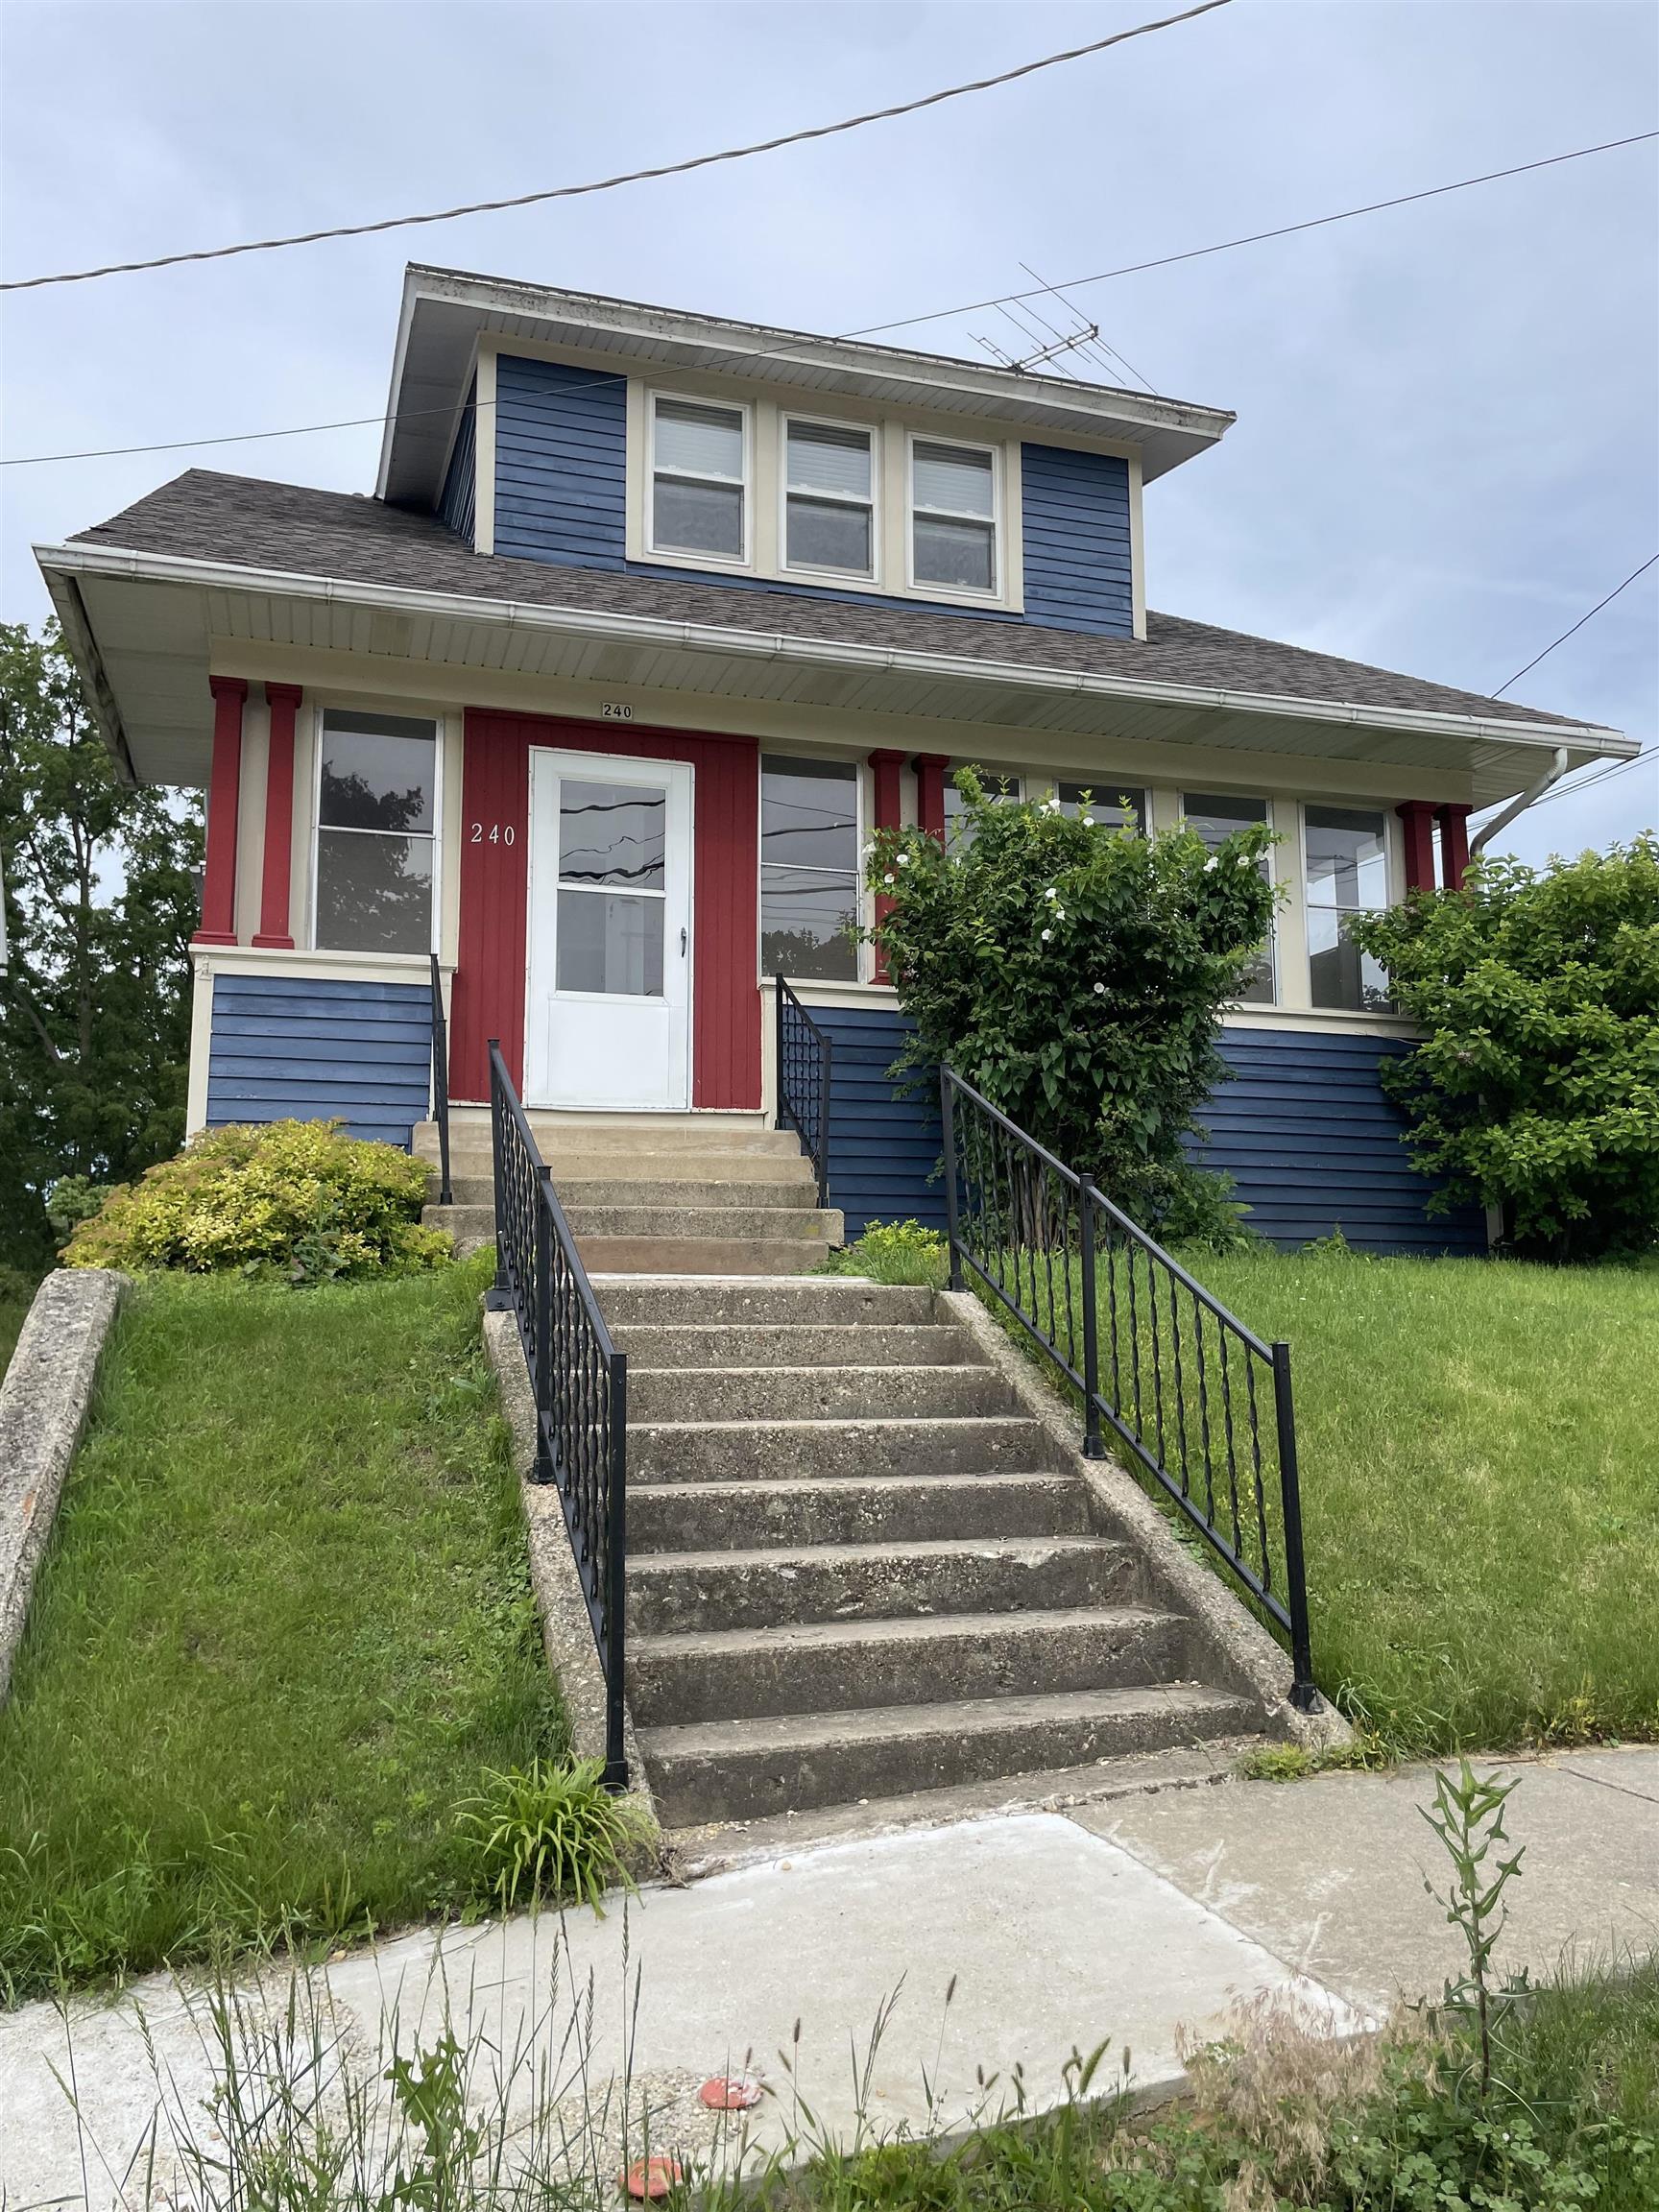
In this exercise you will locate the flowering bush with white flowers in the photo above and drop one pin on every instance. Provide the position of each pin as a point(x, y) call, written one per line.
point(1075, 973)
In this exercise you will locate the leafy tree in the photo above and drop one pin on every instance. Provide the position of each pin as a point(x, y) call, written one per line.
point(101, 899)
point(1536, 1089)
point(1075, 973)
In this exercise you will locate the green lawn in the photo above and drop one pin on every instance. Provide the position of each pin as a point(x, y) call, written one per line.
point(284, 1626)
point(1479, 1447)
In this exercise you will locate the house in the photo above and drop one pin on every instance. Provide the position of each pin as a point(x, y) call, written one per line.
point(650, 616)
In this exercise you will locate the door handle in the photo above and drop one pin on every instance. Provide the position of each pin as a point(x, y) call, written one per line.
point(683, 944)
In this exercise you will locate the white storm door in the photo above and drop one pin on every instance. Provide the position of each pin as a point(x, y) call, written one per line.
point(608, 1015)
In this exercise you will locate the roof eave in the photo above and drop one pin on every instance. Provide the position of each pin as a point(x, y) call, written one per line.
point(69, 561)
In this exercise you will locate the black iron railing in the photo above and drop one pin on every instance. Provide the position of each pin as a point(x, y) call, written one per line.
point(578, 1378)
point(805, 1059)
point(440, 1085)
point(1201, 1405)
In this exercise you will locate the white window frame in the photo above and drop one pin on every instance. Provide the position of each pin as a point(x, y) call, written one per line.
point(870, 577)
point(999, 557)
point(690, 558)
point(318, 708)
point(865, 898)
point(1311, 906)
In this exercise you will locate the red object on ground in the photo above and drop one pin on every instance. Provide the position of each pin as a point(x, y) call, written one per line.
point(652, 2176)
point(729, 2093)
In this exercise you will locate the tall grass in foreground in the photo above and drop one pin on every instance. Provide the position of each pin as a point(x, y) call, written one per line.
point(283, 1630)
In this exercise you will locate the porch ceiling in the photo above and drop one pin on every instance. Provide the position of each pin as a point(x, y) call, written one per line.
point(143, 630)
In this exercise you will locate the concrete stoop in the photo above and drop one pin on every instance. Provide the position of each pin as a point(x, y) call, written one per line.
point(861, 1570)
point(658, 1194)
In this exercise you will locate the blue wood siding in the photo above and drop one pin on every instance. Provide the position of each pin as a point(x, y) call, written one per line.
point(459, 505)
point(562, 497)
point(1075, 518)
point(312, 1049)
point(1312, 1143)
point(561, 463)
point(1306, 1132)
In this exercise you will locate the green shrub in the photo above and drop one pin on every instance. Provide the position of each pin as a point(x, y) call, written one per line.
point(553, 1831)
point(894, 1252)
point(1075, 973)
point(296, 1198)
point(73, 1199)
point(1537, 1088)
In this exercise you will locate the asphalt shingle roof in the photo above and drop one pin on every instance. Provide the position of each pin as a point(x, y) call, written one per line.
point(247, 522)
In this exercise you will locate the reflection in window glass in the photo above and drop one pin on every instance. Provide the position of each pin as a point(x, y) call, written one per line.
point(1216, 818)
point(1105, 800)
point(697, 488)
point(375, 813)
point(958, 822)
point(809, 868)
point(1346, 851)
point(611, 942)
point(612, 833)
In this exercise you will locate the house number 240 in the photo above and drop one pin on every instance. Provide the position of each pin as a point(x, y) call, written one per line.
point(494, 834)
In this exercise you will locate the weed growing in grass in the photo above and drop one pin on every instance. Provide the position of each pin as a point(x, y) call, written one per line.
point(552, 1832)
point(893, 1252)
point(1295, 1762)
point(1468, 1818)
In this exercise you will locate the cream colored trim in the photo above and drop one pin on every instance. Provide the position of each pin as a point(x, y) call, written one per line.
point(451, 743)
point(842, 995)
point(749, 412)
point(342, 966)
point(200, 1039)
point(484, 450)
point(306, 746)
point(1296, 987)
point(251, 810)
point(1137, 552)
point(842, 579)
point(1317, 1018)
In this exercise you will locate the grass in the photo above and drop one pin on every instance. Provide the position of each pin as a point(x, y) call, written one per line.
point(284, 1632)
point(1476, 1444)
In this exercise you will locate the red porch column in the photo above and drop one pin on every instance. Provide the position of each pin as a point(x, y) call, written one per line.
point(931, 770)
point(1418, 816)
point(276, 867)
point(1454, 824)
point(886, 764)
point(224, 794)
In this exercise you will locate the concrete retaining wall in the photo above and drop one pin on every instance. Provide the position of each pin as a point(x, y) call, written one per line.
point(43, 1405)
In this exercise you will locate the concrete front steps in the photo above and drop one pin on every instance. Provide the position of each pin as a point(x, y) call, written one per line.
point(653, 1193)
point(857, 1571)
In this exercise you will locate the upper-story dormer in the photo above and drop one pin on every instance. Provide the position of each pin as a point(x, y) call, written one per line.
point(594, 433)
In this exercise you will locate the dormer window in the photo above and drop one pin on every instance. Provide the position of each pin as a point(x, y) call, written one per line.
point(829, 498)
point(699, 479)
point(954, 516)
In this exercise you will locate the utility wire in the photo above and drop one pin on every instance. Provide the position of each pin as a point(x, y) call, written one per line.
point(628, 177)
point(876, 329)
point(1603, 775)
point(1577, 626)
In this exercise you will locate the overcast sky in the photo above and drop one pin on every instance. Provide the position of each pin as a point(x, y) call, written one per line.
point(1448, 436)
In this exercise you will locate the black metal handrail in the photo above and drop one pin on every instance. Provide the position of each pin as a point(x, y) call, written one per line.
point(578, 1378)
point(805, 1060)
point(1200, 1403)
point(440, 1085)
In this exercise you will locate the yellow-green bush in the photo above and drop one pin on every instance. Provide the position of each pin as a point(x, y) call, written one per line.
point(301, 1199)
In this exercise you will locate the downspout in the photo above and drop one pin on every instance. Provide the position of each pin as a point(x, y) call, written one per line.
point(1553, 774)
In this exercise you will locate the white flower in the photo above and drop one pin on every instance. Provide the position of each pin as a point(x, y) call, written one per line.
point(1059, 913)
point(1210, 863)
point(1050, 893)
point(1087, 820)
point(1046, 934)
point(888, 877)
point(904, 859)
point(869, 852)
point(1099, 990)
point(1052, 804)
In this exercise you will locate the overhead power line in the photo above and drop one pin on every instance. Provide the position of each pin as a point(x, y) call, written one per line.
point(1603, 775)
point(627, 177)
point(1577, 626)
point(877, 329)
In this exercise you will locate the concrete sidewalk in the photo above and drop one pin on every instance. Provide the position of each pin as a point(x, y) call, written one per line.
point(1133, 1919)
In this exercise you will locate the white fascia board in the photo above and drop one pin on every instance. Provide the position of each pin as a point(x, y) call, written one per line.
point(400, 354)
point(779, 645)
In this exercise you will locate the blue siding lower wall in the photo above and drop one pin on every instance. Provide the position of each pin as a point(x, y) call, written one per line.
point(305, 1048)
point(1074, 521)
point(1310, 1141)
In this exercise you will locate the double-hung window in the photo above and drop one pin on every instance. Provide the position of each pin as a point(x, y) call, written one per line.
point(1104, 800)
point(809, 867)
point(1345, 851)
point(699, 479)
point(954, 516)
point(1216, 818)
point(829, 498)
point(376, 822)
point(958, 822)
